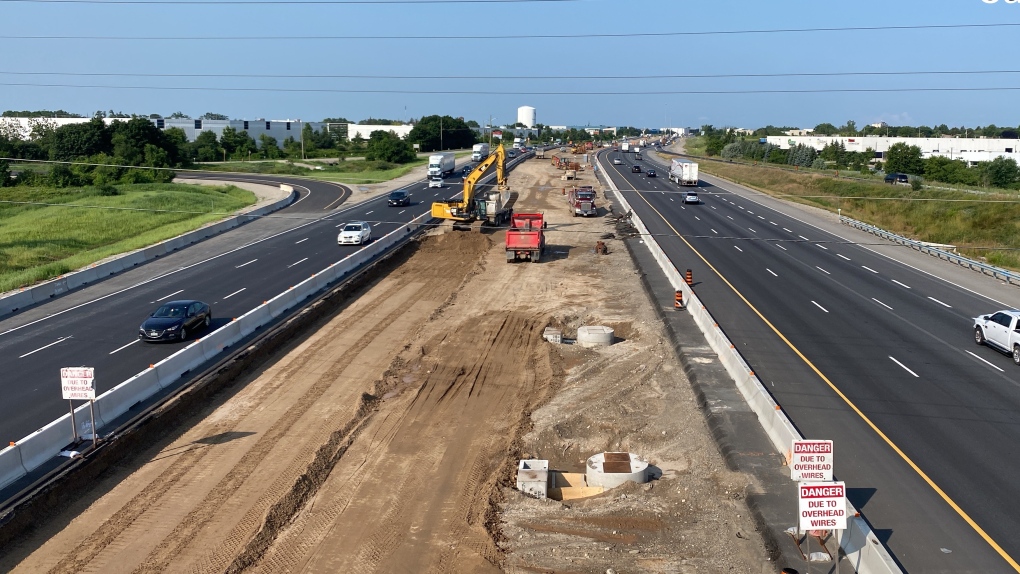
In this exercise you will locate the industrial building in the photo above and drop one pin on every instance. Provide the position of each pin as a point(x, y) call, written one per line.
point(971, 150)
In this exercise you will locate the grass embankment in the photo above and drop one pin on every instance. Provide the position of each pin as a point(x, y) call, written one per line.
point(984, 226)
point(39, 242)
point(354, 172)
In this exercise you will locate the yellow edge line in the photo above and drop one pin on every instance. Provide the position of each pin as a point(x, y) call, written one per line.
point(995, 546)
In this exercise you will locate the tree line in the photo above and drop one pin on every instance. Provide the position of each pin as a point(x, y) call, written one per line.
point(1000, 172)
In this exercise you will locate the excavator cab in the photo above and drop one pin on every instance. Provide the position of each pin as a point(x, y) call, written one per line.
point(463, 210)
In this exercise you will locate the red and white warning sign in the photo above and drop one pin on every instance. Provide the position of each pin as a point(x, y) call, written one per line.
point(822, 505)
point(811, 460)
point(78, 383)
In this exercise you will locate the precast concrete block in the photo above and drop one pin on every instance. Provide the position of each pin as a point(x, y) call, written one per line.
point(171, 368)
point(279, 304)
point(83, 418)
point(152, 252)
point(15, 301)
point(611, 469)
point(44, 292)
point(119, 400)
point(79, 278)
point(252, 320)
point(11, 468)
point(595, 336)
point(45, 443)
point(533, 477)
point(136, 258)
point(214, 343)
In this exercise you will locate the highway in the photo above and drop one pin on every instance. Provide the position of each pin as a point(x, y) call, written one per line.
point(817, 317)
point(97, 326)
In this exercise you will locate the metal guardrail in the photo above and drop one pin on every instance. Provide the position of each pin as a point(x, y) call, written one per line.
point(983, 268)
point(859, 544)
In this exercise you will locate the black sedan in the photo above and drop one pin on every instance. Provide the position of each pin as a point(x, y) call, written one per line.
point(399, 197)
point(174, 320)
point(650, 173)
point(636, 169)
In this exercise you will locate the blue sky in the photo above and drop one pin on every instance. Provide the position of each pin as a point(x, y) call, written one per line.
point(442, 50)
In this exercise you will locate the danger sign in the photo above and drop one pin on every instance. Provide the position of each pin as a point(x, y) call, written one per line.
point(822, 505)
point(78, 383)
point(811, 460)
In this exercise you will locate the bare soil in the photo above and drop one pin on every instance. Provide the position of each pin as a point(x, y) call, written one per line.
point(387, 441)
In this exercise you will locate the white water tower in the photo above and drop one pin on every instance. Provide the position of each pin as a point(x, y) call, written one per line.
point(526, 116)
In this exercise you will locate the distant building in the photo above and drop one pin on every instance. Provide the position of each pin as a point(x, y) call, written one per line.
point(879, 125)
point(526, 115)
point(971, 150)
point(796, 133)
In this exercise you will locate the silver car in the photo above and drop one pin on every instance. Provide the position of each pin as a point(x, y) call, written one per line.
point(691, 197)
point(355, 233)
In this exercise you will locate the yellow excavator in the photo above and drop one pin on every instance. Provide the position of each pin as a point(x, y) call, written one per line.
point(493, 207)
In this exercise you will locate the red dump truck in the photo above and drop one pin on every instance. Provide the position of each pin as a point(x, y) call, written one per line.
point(525, 239)
point(582, 201)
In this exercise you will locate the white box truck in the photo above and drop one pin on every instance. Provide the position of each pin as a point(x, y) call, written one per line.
point(442, 164)
point(479, 152)
point(683, 172)
point(625, 146)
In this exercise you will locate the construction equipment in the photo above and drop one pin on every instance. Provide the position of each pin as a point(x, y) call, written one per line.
point(464, 211)
point(525, 239)
point(582, 201)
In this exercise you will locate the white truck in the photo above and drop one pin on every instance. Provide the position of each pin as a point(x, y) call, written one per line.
point(442, 164)
point(999, 331)
point(518, 142)
point(683, 172)
point(625, 146)
point(479, 152)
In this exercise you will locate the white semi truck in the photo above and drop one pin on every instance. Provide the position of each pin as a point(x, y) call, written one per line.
point(442, 164)
point(625, 146)
point(479, 152)
point(683, 172)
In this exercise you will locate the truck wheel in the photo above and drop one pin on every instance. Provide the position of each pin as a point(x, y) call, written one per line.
point(536, 256)
point(1016, 355)
point(979, 336)
point(510, 256)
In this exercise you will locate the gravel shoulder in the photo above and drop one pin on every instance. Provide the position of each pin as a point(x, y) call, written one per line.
point(387, 440)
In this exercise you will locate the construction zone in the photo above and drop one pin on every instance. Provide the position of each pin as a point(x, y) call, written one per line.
point(389, 435)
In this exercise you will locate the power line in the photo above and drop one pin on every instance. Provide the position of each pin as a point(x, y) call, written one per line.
point(558, 77)
point(504, 92)
point(490, 37)
point(278, 2)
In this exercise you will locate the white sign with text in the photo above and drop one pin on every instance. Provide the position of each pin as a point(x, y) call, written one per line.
point(78, 383)
point(811, 460)
point(822, 505)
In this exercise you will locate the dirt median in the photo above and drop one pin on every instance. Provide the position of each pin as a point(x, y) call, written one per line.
point(388, 439)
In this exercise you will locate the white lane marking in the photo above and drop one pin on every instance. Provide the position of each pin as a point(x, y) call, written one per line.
point(671, 199)
point(296, 262)
point(780, 246)
point(804, 238)
point(772, 272)
point(712, 206)
point(761, 218)
point(751, 212)
point(787, 230)
point(741, 206)
point(843, 256)
point(820, 307)
point(235, 292)
point(125, 346)
point(401, 211)
point(369, 212)
point(243, 264)
point(901, 284)
point(985, 362)
point(738, 249)
point(715, 232)
point(44, 347)
point(904, 367)
point(170, 295)
point(947, 305)
point(869, 268)
point(822, 246)
point(698, 218)
point(301, 241)
point(752, 230)
point(731, 219)
point(881, 303)
point(822, 270)
point(773, 223)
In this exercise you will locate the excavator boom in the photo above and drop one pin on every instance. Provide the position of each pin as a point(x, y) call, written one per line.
point(463, 209)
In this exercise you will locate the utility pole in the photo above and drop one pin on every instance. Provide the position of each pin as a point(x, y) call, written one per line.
point(440, 133)
point(302, 139)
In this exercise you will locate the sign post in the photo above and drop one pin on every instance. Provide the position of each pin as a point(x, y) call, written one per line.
point(811, 460)
point(78, 383)
point(821, 507)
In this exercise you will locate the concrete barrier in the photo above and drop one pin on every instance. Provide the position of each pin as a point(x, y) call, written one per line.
point(279, 304)
point(119, 400)
point(862, 548)
point(44, 291)
point(45, 443)
point(11, 468)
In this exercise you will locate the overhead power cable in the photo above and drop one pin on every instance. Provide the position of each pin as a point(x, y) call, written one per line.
point(278, 2)
point(508, 93)
point(297, 38)
point(558, 77)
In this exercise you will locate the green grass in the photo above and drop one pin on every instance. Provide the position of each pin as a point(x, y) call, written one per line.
point(39, 242)
point(985, 226)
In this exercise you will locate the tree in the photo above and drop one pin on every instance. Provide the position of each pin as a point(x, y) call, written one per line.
point(1001, 172)
point(941, 168)
point(455, 133)
point(75, 141)
point(379, 122)
point(340, 120)
point(826, 129)
point(268, 148)
point(179, 116)
point(849, 129)
point(206, 147)
point(474, 124)
point(5, 174)
point(386, 146)
point(902, 158)
point(212, 116)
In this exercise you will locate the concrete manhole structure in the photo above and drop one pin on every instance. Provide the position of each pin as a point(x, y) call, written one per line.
point(611, 469)
point(594, 336)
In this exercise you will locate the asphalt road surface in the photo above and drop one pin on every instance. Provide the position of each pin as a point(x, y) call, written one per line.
point(865, 350)
point(234, 272)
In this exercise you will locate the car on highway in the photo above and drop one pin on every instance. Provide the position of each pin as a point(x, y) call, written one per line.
point(617, 161)
point(1000, 331)
point(355, 233)
point(511, 153)
point(466, 170)
point(399, 198)
point(691, 197)
point(650, 173)
point(174, 320)
point(897, 179)
point(636, 169)
point(436, 182)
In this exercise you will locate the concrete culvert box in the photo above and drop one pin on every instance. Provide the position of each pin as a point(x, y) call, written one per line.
point(533, 477)
point(611, 469)
point(594, 336)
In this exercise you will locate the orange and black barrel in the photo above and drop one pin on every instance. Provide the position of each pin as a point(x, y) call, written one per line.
point(689, 278)
point(678, 303)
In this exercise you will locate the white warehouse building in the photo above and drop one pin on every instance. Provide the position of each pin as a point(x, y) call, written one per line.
point(526, 115)
point(971, 150)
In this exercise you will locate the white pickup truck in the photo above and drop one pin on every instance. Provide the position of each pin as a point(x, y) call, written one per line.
point(1000, 331)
